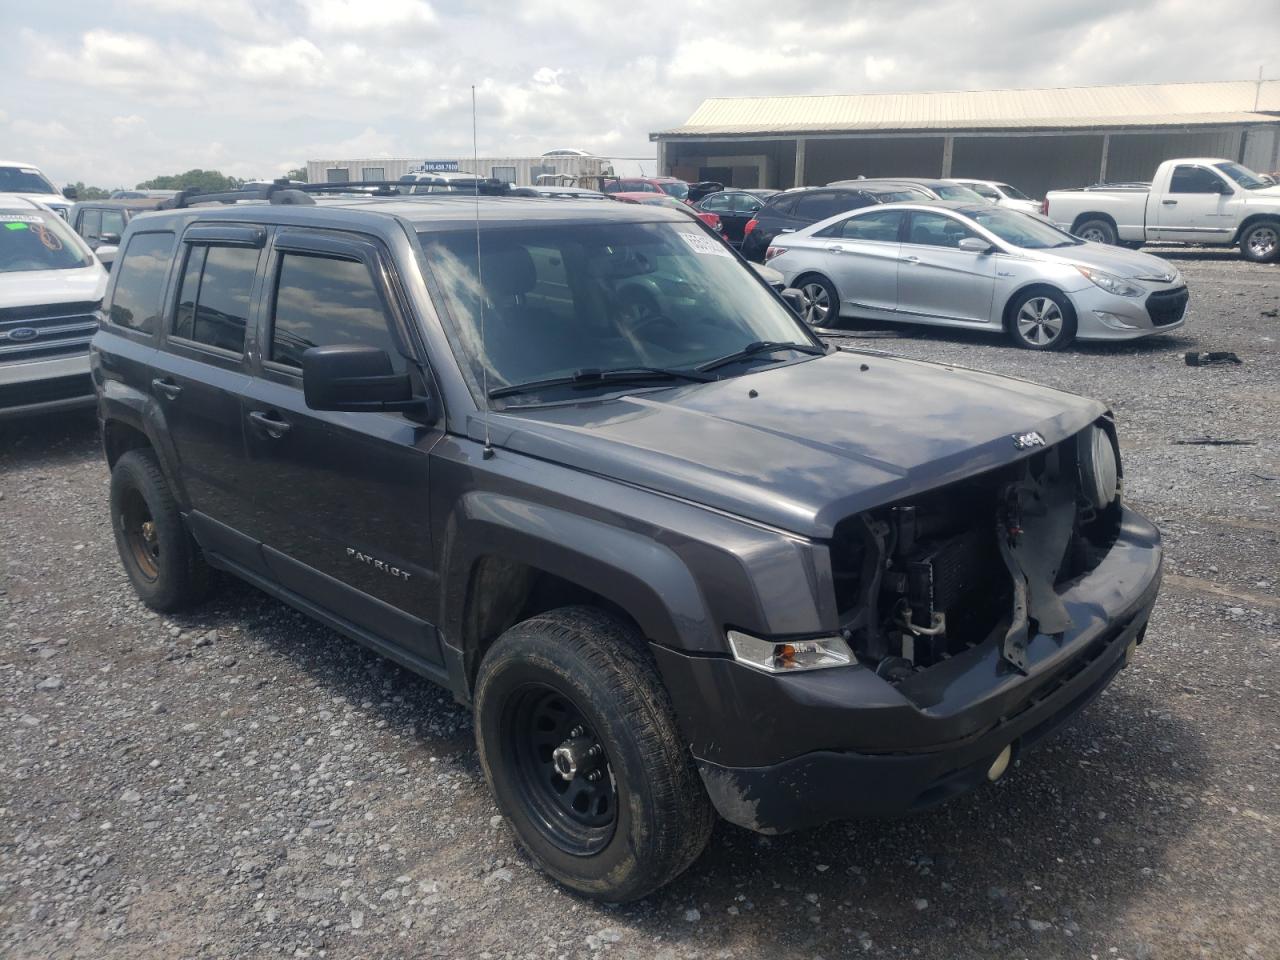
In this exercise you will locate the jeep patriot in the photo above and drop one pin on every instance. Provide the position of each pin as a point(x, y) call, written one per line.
point(577, 463)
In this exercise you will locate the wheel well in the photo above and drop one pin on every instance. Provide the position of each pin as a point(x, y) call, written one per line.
point(504, 592)
point(1256, 218)
point(1084, 217)
point(1036, 288)
point(119, 438)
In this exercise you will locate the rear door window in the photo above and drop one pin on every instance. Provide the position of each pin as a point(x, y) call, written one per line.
point(819, 206)
point(882, 226)
point(140, 275)
point(215, 297)
point(324, 301)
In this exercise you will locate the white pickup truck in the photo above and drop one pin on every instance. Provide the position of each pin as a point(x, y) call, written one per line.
point(1196, 200)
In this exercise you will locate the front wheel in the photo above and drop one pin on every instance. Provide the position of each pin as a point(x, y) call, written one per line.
point(819, 302)
point(1042, 320)
point(1097, 231)
point(579, 743)
point(1260, 243)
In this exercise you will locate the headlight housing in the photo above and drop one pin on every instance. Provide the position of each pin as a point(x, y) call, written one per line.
point(1099, 467)
point(789, 656)
point(1109, 283)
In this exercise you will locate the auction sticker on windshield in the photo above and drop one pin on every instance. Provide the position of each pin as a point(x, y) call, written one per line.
point(19, 218)
point(706, 246)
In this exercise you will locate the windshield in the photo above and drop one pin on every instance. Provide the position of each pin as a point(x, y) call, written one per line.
point(897, 196)
point(676, 188)
point(36, 240)
point(24, 180)
point(1019, 229)
point(1013, 193)
point(561, 298)
point(1242, 175)
point(954, 191)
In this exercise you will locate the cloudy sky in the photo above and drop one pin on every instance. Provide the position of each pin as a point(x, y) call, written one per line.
point(114, 91)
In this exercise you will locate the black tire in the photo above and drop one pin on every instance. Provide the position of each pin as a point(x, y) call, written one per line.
point(1041, 319)
point(162, 560)
point(1097, 230)
point(820, 306)
point(1260, 242)
point(650, 817)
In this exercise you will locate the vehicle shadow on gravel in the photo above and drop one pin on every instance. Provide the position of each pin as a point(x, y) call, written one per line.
point(49, 440)
point(1070, 841)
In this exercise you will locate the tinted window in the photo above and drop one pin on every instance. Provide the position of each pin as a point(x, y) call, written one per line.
point(937, 230)
point(882, 226)
point(321, 302)
point(717, 203)
point(819, 206)
point(140, 276)
point(783, 206)
point(213, 302)
point(1187, 179)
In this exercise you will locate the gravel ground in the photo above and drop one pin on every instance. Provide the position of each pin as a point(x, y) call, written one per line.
point(241, 782)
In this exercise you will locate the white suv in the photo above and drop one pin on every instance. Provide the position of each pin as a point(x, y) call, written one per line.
point(51, 287)
point(27, 180)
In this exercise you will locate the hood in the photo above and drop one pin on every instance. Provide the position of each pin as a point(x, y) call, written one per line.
point(1117, 261)
point(821, 439)
point(53, 201)
point(1267, 195)
point(34, 288)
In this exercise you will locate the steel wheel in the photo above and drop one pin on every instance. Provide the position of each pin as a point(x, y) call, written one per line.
point(815, 304)
point(1040, 321)
point(1263, 242)
point(561, 771)
point(140, 534)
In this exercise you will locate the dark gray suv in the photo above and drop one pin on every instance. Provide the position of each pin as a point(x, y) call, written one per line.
point(581, 466)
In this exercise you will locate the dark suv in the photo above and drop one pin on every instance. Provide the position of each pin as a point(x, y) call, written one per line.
point(793, 209)
point(579, 465)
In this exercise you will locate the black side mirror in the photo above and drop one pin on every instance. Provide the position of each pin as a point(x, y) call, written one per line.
point(356, 379)
point(111, 238)
point(71, 193)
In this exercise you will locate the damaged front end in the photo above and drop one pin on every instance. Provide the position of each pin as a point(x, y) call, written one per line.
point(984, 559)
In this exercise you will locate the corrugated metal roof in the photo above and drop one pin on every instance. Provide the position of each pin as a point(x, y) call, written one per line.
point(1133, 105)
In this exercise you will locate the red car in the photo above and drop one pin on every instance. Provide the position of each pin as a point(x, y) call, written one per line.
point(659, 185)
point(662, 200)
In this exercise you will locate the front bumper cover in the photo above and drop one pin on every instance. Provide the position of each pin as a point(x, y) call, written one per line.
point(779, 753)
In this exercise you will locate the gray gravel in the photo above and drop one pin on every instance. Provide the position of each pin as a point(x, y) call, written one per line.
point(241, 782)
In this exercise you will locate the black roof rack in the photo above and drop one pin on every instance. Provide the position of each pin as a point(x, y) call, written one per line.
point(285, 192)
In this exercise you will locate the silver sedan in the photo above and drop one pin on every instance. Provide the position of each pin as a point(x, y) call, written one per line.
point(956, 264)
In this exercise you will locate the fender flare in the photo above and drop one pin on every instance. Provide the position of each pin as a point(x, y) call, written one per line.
point(120, 403)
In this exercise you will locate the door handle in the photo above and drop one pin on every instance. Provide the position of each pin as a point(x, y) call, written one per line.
point(270, 423)
point(166, 388)
point(910, 259)
point(834, 249)
point(1170, 203)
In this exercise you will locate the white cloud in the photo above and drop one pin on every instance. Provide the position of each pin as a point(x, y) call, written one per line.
point(371, 16)
point(877, 68)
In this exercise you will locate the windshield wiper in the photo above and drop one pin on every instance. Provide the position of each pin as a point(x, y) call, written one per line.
point(592, 376)
point(760, 346)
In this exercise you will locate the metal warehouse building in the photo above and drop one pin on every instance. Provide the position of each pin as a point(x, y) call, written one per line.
point(1037, 140)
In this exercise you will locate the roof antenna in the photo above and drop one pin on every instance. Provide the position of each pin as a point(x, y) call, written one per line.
point(484, 346)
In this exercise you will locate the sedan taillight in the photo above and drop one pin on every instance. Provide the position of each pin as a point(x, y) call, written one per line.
point(773, 252)
point(1044, 207)
point(751, 225)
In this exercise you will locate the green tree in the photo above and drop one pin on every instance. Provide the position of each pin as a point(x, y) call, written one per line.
point(90, 193)
point(299, 174)
point(208, 180)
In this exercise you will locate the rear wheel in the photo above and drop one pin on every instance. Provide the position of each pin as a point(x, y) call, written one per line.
point(1097, 230)
point(162, 560)
point(1042, 320)
point(1260, 242)
point(579, 744)
point(819, 301)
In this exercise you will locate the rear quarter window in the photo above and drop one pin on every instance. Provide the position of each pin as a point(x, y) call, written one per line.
point(139, 280)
